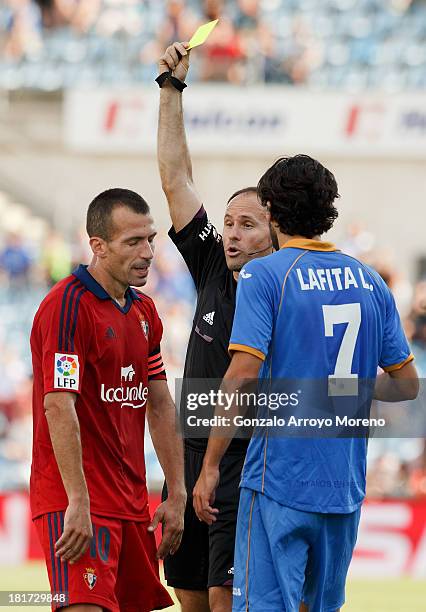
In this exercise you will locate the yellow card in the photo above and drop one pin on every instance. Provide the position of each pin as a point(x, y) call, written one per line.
point(202, 33)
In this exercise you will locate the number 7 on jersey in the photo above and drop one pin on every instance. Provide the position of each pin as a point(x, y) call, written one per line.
point(342, 381)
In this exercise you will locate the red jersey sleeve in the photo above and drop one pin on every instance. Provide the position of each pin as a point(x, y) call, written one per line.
point(156, 369)
point(62, 336)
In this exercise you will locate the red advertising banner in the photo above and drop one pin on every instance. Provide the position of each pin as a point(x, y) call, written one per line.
point(391, 538)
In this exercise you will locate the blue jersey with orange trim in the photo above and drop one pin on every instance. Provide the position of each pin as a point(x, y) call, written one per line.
point(314, 314)
point(84, 342)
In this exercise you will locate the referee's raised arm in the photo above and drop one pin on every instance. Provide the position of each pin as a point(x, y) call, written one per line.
point(174, 160)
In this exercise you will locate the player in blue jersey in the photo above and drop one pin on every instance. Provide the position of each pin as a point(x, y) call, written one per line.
point(313, 314)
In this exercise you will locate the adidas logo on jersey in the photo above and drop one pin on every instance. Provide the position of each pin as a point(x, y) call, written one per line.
point(110, 333)
point(209, 317)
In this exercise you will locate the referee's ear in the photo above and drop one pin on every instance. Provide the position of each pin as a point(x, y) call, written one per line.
point(274, 238)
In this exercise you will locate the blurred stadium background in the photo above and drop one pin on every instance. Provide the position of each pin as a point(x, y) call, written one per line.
point(343, 80)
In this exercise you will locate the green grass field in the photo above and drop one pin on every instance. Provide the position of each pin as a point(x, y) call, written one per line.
point(362, 595)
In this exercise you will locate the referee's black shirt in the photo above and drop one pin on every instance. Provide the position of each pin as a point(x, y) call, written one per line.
point(207, 355)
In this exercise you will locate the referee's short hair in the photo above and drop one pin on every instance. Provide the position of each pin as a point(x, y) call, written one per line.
point(241, 191)
point(98, 221)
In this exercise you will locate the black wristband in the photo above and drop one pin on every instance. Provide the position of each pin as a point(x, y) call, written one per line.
point(162, 77)
point(167, 76)
point(177, 84)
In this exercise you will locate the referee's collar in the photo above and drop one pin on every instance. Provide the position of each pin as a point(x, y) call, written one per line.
point(309, 245)
point(84, 276)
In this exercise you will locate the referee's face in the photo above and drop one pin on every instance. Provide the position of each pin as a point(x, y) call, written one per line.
point(130, 249)
point(246, 231)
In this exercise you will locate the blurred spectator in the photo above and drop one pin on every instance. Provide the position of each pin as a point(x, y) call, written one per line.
point(416, 327)
point(120, 16)
point(358, 241)
point(385, 477)
point(361, 243)
point(56, 258)
point(23, 29)
point(79, 14)
point(248, 15)
point(418, 476)
point(169, 278)
point(15, 261)
point(400, 6)
point(303, 52)
point(16, 439)
point(221, 55)
point(179, 23)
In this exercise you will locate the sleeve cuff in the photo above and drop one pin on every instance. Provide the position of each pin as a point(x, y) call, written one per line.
point(160, 376)
point(176, 236)
point(55, 390)
point(398, 366)
point(156, 367)
point(243, 348)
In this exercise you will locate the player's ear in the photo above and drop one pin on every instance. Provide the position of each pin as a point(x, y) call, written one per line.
point(98, 246)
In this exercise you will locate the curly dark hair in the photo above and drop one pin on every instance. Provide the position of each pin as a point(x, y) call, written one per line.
point(300, 192)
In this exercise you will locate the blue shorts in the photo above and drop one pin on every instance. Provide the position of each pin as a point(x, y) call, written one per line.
point(285, 556)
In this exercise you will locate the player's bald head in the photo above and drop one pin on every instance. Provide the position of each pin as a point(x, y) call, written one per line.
point(99, 214)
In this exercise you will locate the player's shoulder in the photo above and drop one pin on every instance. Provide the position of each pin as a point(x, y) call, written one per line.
point(143, 297)
point(265, 271)
point(61, 290)
point(370, 274)
point(145, 302)
point(271, 265)
point(253, 268)
point(62, 296)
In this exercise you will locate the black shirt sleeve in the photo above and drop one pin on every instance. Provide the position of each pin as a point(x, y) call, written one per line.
point(201, 247)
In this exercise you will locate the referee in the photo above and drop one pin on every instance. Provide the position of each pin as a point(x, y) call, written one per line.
point(201, 571)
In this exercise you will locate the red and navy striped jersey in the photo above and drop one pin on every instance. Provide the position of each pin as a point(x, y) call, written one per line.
point(84, 342)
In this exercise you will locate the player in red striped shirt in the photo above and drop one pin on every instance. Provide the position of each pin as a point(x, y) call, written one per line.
point(98, 371)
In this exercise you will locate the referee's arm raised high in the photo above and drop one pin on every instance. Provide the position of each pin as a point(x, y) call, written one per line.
point(173, 155)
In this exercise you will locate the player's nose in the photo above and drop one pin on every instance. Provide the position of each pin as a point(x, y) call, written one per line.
point(146, 252)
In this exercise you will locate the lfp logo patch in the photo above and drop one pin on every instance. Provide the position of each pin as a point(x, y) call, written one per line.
point(90, 577)
point(67, 371)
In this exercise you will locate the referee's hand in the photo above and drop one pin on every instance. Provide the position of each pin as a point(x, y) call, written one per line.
point(204, 494)
point(175, 60)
